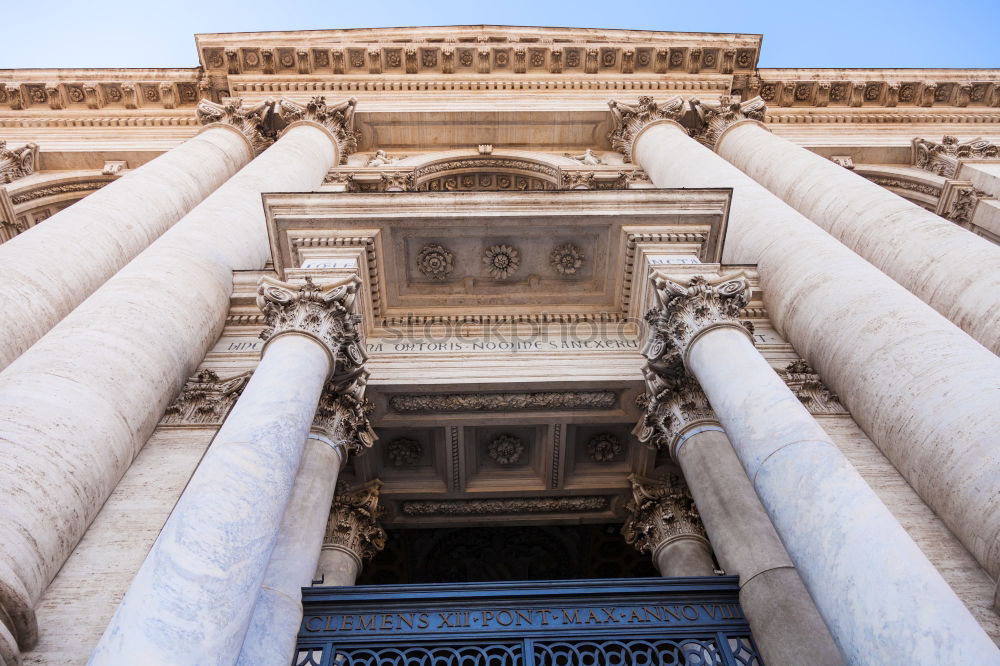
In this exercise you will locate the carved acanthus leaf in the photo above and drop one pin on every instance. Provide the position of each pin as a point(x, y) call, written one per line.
point(323, 312)
point(660, 511)
point(343, 414)
point(205, 399)
point(683, 312)
point(17, 162)
point(353, 523)
point(250, 121)
point(337, 118)
point(629, 119)
point(963, 206)
point(943, 158)
point(717, 118)
point(671, 408)
point(807, 386)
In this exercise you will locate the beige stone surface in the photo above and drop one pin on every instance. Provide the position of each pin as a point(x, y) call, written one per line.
point(51, 268)
point(954, 271)
point(971, 583)
point(923, 390)
point(82, 598)
point(78, 407)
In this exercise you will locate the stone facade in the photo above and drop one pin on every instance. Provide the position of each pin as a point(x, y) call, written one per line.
point(331, 284)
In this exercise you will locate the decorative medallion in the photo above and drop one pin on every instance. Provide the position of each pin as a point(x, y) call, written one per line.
point(506, 449)
point(436, 262)
point(604, 447)
point(566, 259)
point(404, 452)
point(502, 261)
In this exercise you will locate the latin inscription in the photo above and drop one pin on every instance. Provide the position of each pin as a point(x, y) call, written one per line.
point(523, 618)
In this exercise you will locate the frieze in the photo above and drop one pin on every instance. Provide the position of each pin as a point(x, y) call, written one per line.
point(502, 402)
point(506, 506)
point(484, 163)
point(87, 186)
point(907, 185)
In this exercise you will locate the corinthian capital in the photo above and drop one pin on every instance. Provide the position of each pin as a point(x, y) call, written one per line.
point(684, 312)
point(322, 312)
point(672, 407)
point(660, 511)
point(250, 121)
point(353, 523)
point(717, 118)
point(337, 118)
point(17, 162)
point(943, 158)
point(630, 119)
point(343, 411)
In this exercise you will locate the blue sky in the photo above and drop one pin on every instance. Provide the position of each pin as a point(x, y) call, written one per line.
point(845, 33)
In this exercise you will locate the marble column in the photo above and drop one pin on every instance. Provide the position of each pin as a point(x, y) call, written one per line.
point(882, 600)
point(664, 522)
point(340, 427)
point(192, 599)
point(99, 234)
point(785, 623)
point(926, 393)
point(77, 407)
point(955, 272)
point(353, 534)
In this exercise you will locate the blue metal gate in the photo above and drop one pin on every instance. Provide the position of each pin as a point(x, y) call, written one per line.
point(612, 622)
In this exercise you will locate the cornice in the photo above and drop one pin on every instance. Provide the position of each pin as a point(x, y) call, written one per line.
point(476, 49)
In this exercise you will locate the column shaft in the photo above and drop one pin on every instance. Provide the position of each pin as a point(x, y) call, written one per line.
point(784, 620)
point(684, 557)
point(923, 391)
point(192, 599)
point(955, 272)
point(883, 601)
point(53, 267)
point(274, 626)
point(78, 406)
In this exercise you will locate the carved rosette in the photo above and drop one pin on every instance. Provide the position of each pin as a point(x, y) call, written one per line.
point(717, 118)
point(436, 261)
point(502, 261)
point(337, 118)
point(250, 121)
point(684, 312)
point(604, 448)
point(660, 511)
point(324, 313)
point(505, 449)
point(404, 452)
point(17, 162)
point(566, 259)
point(205, 399)
point(670, 409)
point(943, 158)
point(353, 523)
point(630, 119)
point(343, 412)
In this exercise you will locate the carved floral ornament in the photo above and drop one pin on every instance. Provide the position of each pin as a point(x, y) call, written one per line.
point(205, 399)
point(604, 447)
point(566, 259)
point(660, 511)
point(337, 118)
point(353, 523)
point(250, 121)
point(404, 452)
point(502, 261)
point(436, 261)
point(505, 449)
point(343, 414)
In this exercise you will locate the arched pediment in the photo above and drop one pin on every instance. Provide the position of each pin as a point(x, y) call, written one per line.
point(30, 200)
point(915, 185)
point(502, 172)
